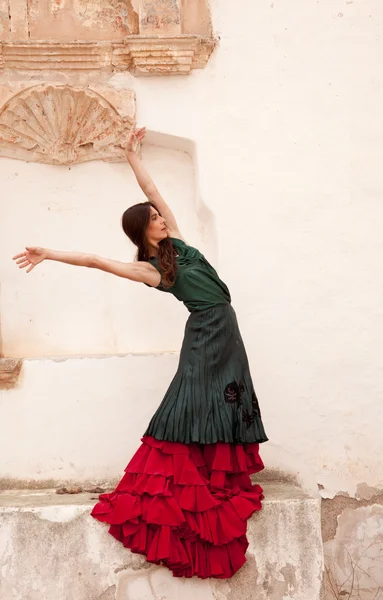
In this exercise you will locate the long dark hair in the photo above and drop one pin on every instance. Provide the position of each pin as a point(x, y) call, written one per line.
point(135, 221)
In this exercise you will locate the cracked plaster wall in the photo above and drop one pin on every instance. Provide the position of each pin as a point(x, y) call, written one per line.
point(66, 19)
point(353, 548)
point(22, 20)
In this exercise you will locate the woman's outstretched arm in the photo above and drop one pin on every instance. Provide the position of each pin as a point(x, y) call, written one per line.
point(147, 184)
point(140, 271)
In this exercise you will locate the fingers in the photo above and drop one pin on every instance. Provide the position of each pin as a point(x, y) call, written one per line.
point(141, 133)
point(24, 264)
point(138, 132)
point(27, 249)
point(23, 261)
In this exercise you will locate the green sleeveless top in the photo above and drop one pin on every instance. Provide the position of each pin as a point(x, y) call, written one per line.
point(197, 284)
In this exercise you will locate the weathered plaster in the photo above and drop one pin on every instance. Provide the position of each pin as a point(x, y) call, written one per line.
point(109, 594)
point(196, 17)
point(82, 35)
point(333, 508)
point(160, 16)
point(142, 55)
point(70, 555)
point(79, 20)
point(10, 369)
point(354, 556)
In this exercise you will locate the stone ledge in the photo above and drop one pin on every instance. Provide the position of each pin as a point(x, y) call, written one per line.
point(51, 548)
point(265, 477)
point(140, 54)
point(9, 372)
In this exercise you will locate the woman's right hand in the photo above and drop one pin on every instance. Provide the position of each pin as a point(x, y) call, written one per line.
point(32, 256)
point(135, 137)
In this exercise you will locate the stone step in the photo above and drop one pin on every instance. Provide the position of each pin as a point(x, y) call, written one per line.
point(51, 549)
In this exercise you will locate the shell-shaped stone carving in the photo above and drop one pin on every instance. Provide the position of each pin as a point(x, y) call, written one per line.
point(61, 125)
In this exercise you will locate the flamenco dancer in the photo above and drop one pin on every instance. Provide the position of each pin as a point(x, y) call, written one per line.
point(186, 494)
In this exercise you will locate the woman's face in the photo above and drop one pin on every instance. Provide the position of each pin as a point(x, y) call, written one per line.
point(156, 230)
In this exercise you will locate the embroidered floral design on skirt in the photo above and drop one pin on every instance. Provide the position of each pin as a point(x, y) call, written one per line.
point(205, 400)
point(247, 417)
point(233, 393)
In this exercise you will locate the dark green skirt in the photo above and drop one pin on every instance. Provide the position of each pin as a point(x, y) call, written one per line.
point(211, 397)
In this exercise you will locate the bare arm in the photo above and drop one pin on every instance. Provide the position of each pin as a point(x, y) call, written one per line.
point(140, 271)
point(147, 184)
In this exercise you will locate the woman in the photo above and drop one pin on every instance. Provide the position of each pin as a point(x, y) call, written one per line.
point(186, 494)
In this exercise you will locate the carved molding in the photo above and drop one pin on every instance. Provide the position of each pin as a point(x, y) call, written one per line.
point(168, 56)
point(142, 55)
point(61, 125)
point(9, 372)
point(112, 35)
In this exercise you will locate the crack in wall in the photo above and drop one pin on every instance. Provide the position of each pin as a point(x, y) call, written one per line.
point(28, 13)
point(85, 13)
point(109, 594)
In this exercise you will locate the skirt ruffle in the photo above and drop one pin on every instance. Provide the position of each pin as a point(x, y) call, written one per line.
point(186, 505)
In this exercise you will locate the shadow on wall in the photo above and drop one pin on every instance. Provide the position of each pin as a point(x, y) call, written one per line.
point(206, 222)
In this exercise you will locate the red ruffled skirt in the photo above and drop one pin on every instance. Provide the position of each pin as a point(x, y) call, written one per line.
point(186, 505)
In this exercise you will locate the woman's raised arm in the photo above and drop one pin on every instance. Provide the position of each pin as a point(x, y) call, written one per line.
point(147, 184)
point(140, 271)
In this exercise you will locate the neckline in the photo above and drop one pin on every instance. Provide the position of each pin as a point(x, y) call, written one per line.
point(155, 257)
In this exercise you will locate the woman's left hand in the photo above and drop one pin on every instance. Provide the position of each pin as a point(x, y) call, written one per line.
point(135, 137)
point(32, 256)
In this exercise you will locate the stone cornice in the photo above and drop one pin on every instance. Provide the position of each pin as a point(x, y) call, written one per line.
point(142, 55)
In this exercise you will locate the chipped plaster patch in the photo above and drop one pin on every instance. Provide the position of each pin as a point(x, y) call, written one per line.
point(354, 558)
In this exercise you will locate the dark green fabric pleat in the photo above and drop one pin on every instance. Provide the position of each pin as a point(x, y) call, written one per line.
point(211, 397)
